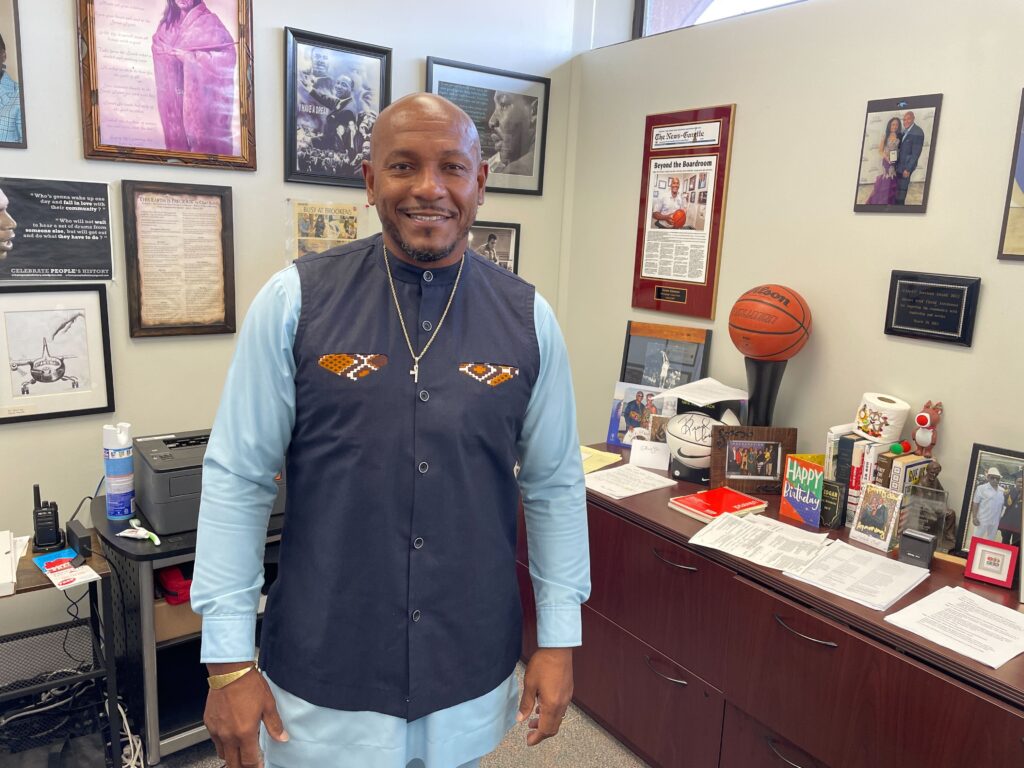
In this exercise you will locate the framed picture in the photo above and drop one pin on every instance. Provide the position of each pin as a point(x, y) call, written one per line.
point(933, 307)
point(750, 459)
point(679, 239)
point(497, 241)
point(896, 154)
point(317, 226)
point(179, 258)
point(877, 517)
point(55, 346)
point(991, 561)
point(1011, 239)
point(664, 356)
point(12, 94)
point(991, 508)
point(334, 90)
point(168, 82)
point(510, 111)
point(635, 415)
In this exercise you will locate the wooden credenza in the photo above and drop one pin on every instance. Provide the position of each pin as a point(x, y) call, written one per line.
point(699, 659)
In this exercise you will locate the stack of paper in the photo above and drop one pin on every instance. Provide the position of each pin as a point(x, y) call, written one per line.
point(594, 459)
point(8, 563)
point(867, 578)
point(627, 480)
point(966, 623)
point(761, 540)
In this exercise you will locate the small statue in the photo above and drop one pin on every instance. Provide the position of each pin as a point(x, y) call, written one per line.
point(927, 421)
point(948, 534)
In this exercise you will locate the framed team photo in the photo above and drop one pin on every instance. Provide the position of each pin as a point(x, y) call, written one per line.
point(12, 93)
point(497, 241)
point(334, 90)
point(991, 507)
point(168, 81)
point(750, 459)
point(896, 154)
point(510, 111)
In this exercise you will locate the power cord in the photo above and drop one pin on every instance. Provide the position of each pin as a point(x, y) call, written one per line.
point(87, 498)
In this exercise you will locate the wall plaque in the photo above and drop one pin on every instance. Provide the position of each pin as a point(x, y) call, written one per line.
point(934, 307)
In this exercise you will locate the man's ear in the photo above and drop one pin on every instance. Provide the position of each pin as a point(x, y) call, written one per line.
point(368, 178)
point(481, 182)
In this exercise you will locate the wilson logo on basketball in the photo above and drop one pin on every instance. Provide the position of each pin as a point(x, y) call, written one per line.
point(770, 322)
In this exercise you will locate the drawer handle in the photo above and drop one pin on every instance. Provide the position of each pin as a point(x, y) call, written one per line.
point(674, 565)
point(647, 661)
point(827, 643)
point(771, 746)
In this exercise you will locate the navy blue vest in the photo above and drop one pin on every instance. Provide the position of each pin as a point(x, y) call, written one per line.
point(397, 589)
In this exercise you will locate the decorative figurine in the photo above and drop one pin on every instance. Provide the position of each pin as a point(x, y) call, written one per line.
point(927, 421)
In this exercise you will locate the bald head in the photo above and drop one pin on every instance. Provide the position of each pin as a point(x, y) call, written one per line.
point(418, 109)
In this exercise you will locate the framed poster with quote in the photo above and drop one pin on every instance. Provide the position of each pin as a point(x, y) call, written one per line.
point(934, 307)
point(679, 230)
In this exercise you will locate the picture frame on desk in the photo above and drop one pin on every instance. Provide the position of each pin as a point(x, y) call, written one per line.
point(55, 346)
point(750, 459)
point(877, 518)
point(665, 356)
point(992, 562)
point(991, 508)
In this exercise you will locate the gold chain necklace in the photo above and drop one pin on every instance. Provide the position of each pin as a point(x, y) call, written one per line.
point(415, 371)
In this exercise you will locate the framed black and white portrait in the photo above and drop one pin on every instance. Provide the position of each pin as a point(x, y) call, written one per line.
point(497, 241)
point(510, 111)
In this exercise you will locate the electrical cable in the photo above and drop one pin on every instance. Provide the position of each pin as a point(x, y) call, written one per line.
point(87, 498)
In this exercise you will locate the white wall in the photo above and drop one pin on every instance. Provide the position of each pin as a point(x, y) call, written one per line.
point(800, 77)
point(174, 383)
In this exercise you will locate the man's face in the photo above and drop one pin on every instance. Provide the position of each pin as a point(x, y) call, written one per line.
point(908, 120)
point(185, 5)
point(510, 126)
point(7, 226)
point(425, 179)
point(640, 397)
point(675, 187)
point(993, 480)
point(342, 87)
point(319, 62)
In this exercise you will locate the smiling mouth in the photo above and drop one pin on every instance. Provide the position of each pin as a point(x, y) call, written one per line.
point(427, 217)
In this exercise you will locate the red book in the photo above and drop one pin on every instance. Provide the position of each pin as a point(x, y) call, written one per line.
point(707, 505)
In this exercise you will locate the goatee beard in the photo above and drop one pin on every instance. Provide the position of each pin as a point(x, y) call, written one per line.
point(421, 255)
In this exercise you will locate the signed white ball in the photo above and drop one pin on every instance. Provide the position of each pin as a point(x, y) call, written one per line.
point(689, 436)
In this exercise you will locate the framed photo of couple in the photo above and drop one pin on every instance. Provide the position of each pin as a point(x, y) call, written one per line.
point(896, 154)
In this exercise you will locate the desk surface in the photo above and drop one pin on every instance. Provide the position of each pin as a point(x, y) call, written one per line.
point(172, 545)
point(31, 579)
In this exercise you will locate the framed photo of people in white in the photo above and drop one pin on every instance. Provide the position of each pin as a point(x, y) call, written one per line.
point(510, 111)
point(334, 90)
point(991, 507)
point(497, 241)
point(12, 94)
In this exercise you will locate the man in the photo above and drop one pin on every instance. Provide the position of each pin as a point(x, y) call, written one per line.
point(1010, 522)
point(911, 145)
point(665, 208)
point(633, 412)
point(393, 630)
point(987, 506)
point(490, 250)
point(10, 102)
point(512, 125)
point(7, 227)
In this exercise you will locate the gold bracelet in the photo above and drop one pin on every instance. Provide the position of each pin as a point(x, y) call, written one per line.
point(217, 682)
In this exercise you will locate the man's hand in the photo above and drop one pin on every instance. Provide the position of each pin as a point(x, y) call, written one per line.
point(547, 690)
point(233, 715)
point(906, 174)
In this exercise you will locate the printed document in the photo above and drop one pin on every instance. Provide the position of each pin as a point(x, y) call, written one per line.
point(761, 540)
point(627, 480)
point(966, 623)
point(867, 578)
point(594, 459)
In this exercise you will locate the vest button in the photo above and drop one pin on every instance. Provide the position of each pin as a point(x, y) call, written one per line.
point(416, 615)
point(424, 395)
point(423, 467)
point(418, 543)
point(428, 276)
point(427, 325)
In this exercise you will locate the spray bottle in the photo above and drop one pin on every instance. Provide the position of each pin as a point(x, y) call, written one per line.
point(119, 470)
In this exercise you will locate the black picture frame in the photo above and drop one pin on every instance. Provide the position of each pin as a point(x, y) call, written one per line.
point(524, 118)
point(142, 322)
point(1010, 464)
point(1012, 248)
point(872, 179)
point(84, 387)
point(9, 10)
point(315, 152)
point(506, 246)
point(934, 307)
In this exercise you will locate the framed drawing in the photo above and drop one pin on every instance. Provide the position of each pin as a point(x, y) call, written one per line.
point(991, 507)
point(497, 241)
point(664, 356)
point(750, 459)
point(1011, 239)
point(55, 346)
point(896, 154)
point(510, 111)
point(992, 562)
point(678, 238)
point(179, 258)
point(167, 81)
point(12, 94)
point(334, 90)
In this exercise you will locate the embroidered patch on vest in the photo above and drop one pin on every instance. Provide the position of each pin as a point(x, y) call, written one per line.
point(353, 365)
point(490, 374)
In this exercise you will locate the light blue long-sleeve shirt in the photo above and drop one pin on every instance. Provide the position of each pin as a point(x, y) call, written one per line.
point(247, 448)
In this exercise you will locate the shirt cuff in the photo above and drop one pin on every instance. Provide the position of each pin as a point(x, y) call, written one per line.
point(228, 638)
point(559, 626)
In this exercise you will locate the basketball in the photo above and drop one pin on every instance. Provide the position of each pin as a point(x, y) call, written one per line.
point(679, 218)
point(689, 436)
point(770, 322)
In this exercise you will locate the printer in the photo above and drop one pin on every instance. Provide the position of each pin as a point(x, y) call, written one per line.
point(168, 480)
